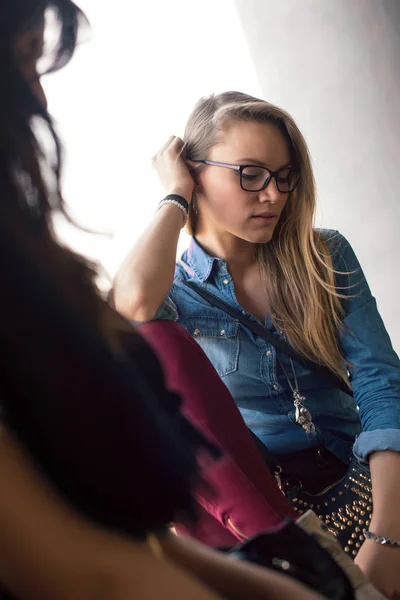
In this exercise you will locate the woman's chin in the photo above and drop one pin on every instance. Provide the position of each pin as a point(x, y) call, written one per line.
point(259, 238)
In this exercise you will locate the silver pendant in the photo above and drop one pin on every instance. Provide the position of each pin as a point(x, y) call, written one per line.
point(303, 415)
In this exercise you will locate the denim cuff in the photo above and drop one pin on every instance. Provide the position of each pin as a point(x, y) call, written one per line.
point(376, 441)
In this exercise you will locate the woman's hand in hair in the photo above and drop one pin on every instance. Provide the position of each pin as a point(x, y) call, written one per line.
point(173, 170)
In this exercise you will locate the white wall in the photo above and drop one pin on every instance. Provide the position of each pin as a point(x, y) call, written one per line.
point(335, 66)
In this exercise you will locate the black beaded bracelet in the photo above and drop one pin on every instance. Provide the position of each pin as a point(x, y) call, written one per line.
point(180, 199)
point(380, 539)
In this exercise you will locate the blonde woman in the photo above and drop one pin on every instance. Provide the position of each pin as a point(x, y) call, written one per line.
point(242, 175)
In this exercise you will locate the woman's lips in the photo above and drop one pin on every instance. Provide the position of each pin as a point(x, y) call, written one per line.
point(265, 218)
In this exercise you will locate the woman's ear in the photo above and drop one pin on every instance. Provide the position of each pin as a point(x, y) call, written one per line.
point(194, 171)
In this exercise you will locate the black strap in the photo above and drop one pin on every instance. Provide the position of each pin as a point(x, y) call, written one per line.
point(263, 332)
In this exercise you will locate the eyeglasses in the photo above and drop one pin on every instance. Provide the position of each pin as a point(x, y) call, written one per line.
point(254, 178)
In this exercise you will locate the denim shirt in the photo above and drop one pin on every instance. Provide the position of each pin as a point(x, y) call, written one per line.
point(251, 367)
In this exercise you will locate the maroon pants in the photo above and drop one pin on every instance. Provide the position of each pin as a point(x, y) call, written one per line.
point(242, 498)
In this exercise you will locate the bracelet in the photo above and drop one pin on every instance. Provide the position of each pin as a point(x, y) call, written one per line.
point(177, 201)
point(180, 199)
point(380, 539)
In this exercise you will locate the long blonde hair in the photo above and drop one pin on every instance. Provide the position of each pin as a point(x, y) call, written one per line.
point(296, 265)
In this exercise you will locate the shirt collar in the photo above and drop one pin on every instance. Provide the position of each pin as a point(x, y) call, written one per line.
point(199, 261)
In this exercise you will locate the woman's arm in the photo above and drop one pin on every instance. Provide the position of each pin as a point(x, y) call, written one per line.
point(233, 579)
point(380, 563)
point(375, 378)
point(373, 363)
point(47, 551)
point(385, 473)
point(146, 275)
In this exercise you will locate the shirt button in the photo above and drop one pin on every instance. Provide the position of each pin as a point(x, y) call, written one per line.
point(223, 332)
point(226, 281)
point(269, 352)
point(220, 263)
point(276, 387)
point(196, 332)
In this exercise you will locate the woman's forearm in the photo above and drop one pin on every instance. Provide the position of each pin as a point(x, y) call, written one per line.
point(46, 549)
point(233, 579)
point(385, 475)
point(146, 275)
point(48, 552)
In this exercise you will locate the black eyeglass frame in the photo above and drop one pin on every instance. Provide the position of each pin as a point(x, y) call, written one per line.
point(240, 168)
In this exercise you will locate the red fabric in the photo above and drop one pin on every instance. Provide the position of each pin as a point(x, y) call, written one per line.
point(244, 491)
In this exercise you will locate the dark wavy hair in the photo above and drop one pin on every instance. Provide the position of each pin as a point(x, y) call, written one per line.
point(20, 152)
point(53, 279)
point(31, 152)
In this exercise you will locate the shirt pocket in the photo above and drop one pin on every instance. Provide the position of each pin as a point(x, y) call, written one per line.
point(220, 341)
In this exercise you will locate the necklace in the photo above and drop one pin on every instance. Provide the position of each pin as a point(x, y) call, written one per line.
point(303, 415)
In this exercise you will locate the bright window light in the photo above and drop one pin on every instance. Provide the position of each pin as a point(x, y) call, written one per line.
point(130, 87)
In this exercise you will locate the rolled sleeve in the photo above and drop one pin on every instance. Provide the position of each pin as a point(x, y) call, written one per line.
point(376, 441)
